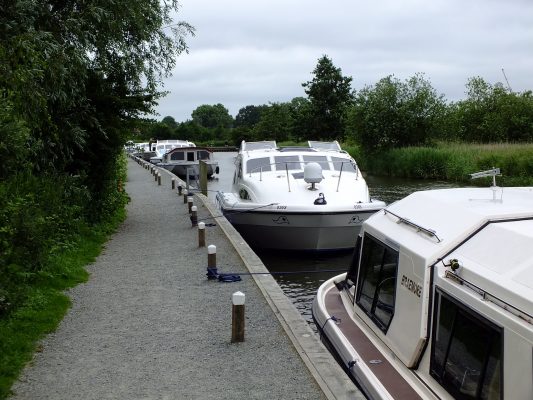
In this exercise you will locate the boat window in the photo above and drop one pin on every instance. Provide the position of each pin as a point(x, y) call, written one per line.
point(202, 155)
point(322, 160)
point(376, 289)
point(177, 156)
point(258, 164)
point(346, 164)
point(287, 162)
point(466, 351)
point(190, 156)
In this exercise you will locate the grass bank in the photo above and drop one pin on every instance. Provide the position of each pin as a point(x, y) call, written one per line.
point(50, 257)
point(452, 162)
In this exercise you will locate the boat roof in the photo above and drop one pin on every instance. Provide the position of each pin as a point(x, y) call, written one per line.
point(488, 230)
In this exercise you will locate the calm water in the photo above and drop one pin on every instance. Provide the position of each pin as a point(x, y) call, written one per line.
point(299, 275)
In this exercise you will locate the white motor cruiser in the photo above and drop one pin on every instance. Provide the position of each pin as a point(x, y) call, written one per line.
point(297, 198)
point(438, 301)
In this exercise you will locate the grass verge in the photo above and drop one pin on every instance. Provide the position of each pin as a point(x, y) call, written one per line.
point(47, 303)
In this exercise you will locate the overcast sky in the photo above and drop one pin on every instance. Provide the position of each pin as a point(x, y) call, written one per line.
point(249, 52)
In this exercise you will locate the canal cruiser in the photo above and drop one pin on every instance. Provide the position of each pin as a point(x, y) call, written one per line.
point(438, 301)
point(297, 198)
point(181, 160)
point(161, 147)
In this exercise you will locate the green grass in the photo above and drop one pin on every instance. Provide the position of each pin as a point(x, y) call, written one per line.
point(46, 304)
point(453, 162)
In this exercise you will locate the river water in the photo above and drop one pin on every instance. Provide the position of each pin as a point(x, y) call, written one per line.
point(300, 275)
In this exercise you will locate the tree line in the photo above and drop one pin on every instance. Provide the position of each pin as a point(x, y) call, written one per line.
point(389, 114)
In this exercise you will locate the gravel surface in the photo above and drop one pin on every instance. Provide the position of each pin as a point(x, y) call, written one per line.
point(149, 325)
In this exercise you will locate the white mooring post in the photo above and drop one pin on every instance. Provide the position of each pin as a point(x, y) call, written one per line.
point(194, 216)
point(201, 234)
point(237, 317)
point(190, 202)
point(212, 262)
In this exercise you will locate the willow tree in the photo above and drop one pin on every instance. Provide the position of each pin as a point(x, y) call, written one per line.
point(76, 75)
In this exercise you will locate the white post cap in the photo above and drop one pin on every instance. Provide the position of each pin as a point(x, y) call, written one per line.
point(238, 298)
point(194, 208)
point(201, 225)
point(211, 249)
point(190, 199)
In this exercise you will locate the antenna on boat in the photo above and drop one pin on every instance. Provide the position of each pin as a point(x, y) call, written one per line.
point(490, 172)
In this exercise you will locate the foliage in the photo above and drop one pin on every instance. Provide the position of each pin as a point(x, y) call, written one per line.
point(454, 162)
point(493, 114)
point(275, 123)
point(249, 116)
point(394, 114)
point(212, 116)
point(329, 94)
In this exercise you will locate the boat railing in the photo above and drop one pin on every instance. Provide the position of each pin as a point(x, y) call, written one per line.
point(286, 167)
point(429, 232)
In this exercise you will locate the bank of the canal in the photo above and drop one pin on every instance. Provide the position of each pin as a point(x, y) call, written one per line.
point(149, 324)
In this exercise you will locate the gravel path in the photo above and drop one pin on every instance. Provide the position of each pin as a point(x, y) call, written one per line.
point(149, 325)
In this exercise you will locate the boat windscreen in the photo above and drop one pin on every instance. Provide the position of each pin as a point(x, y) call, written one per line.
point(258, 164)
point(324, 145)
point(347, 165)
point(287, 162)
point(322, 160)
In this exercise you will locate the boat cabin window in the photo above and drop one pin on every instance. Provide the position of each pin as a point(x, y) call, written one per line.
point(287, 162)
point(202, 155)
point(466, 351)
point(177, 156)
point(322, 160)
point(376, 290)
point(346, 164)
point(190, 156)
point(258, 164)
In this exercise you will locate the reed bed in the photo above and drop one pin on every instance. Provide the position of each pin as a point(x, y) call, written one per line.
point(453, 162)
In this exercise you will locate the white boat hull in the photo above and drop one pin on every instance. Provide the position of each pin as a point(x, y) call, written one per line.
point(298, 231)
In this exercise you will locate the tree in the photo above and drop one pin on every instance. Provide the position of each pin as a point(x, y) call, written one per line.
point(330, 95)
point(78, 76)
point(275, 123)
point(395, 114)
point(212, 116)
point(249, 116)
point(490, 113)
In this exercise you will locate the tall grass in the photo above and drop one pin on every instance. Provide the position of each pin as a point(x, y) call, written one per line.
point(453, 161)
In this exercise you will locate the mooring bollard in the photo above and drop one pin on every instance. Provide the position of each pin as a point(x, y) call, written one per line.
point(159, 179)
point(201, 234)
point(194, 216)
point(155, 174)
point(237, 317)
point(185, 196)
point(180, 190)
point(212, 262)
point(173, 183)
point(190, 202)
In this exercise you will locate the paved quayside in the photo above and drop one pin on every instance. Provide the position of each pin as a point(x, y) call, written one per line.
point(149, 324)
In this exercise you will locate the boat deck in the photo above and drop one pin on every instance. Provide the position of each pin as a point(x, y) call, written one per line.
point(389, 377)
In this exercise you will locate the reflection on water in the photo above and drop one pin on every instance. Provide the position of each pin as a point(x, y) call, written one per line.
point(304, 273)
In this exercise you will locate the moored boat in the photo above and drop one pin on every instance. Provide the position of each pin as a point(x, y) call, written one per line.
point(161, 147)
point(186, 160)
point(438, 301)
point(297, 198)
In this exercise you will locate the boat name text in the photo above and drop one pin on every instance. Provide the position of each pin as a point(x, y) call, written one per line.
point(411, 285)
point(281, 207)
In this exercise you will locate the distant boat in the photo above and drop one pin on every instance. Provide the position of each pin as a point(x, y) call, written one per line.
point(438, 301)
point(161, 147)
point(186, 160)
point(297, 198)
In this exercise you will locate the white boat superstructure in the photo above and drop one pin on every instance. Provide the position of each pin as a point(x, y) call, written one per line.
point(438, 302)
point(297, 198)
point(183, 161)
point(164, 146)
